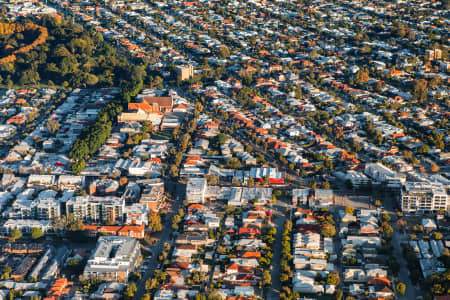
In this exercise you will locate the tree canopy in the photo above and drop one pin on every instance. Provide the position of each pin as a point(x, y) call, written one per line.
point(58, 52)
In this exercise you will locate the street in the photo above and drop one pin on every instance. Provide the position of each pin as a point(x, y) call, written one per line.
point(279, 219)
point(156, 250)
point(397, 238)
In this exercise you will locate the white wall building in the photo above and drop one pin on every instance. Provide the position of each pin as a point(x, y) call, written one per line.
point(424, 197)
point(114, 258)
point(196, 190)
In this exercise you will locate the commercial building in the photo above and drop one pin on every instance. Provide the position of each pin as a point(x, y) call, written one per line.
point(424, 197)
point(272, 174)
point(114, 258)
point(196, 190)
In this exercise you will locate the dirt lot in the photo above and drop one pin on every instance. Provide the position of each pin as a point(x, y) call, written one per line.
point(353, 201)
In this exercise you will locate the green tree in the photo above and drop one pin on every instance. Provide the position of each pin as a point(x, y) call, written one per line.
point(129, 291)
point(13, 294)
point(349, 210)
point(387, 230)
point(362, 76)
point(219, 139)
point(147, 296)
point(338, 294)
point(78, 166)
point(6, 272)
point(394, 265)
point(333, 278)
point(267, 279)
point(212, 179)
point(400, 288)
point(14, 235)
point(437, 235)
point(234, 163)
point(224, 52)
point(200, 296)
point(420, 90)
point(52, 126)
point(423, 149)
point(328, 230)
point(36, 233)
point(91, 79)
point(385, 217)
point(298, 93)
point(154, 220)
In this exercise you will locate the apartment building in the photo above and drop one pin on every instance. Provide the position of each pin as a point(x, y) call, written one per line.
point(25, 225)
point(40, 209)
point(113, 259)
point(137, 214)
point(185, 72)
point(71, 182)
point(300, 196)
point(96, 209)
point(383, 174)
point(424, 197)
point(433, 54)
point(152, 196)
point(196, 190)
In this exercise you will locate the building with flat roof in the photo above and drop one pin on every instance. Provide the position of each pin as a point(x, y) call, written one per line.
point(137, 214)
point(113, 259)
point(272, 174)
point(424, 197)
point(25, 225)
point(300, 196)
point(41, 180)
point(71, 182)
point(196, 190)
point(152, 196)
point(321, 198)
point(383, 174)
point(185, 72)
point(96, 209)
